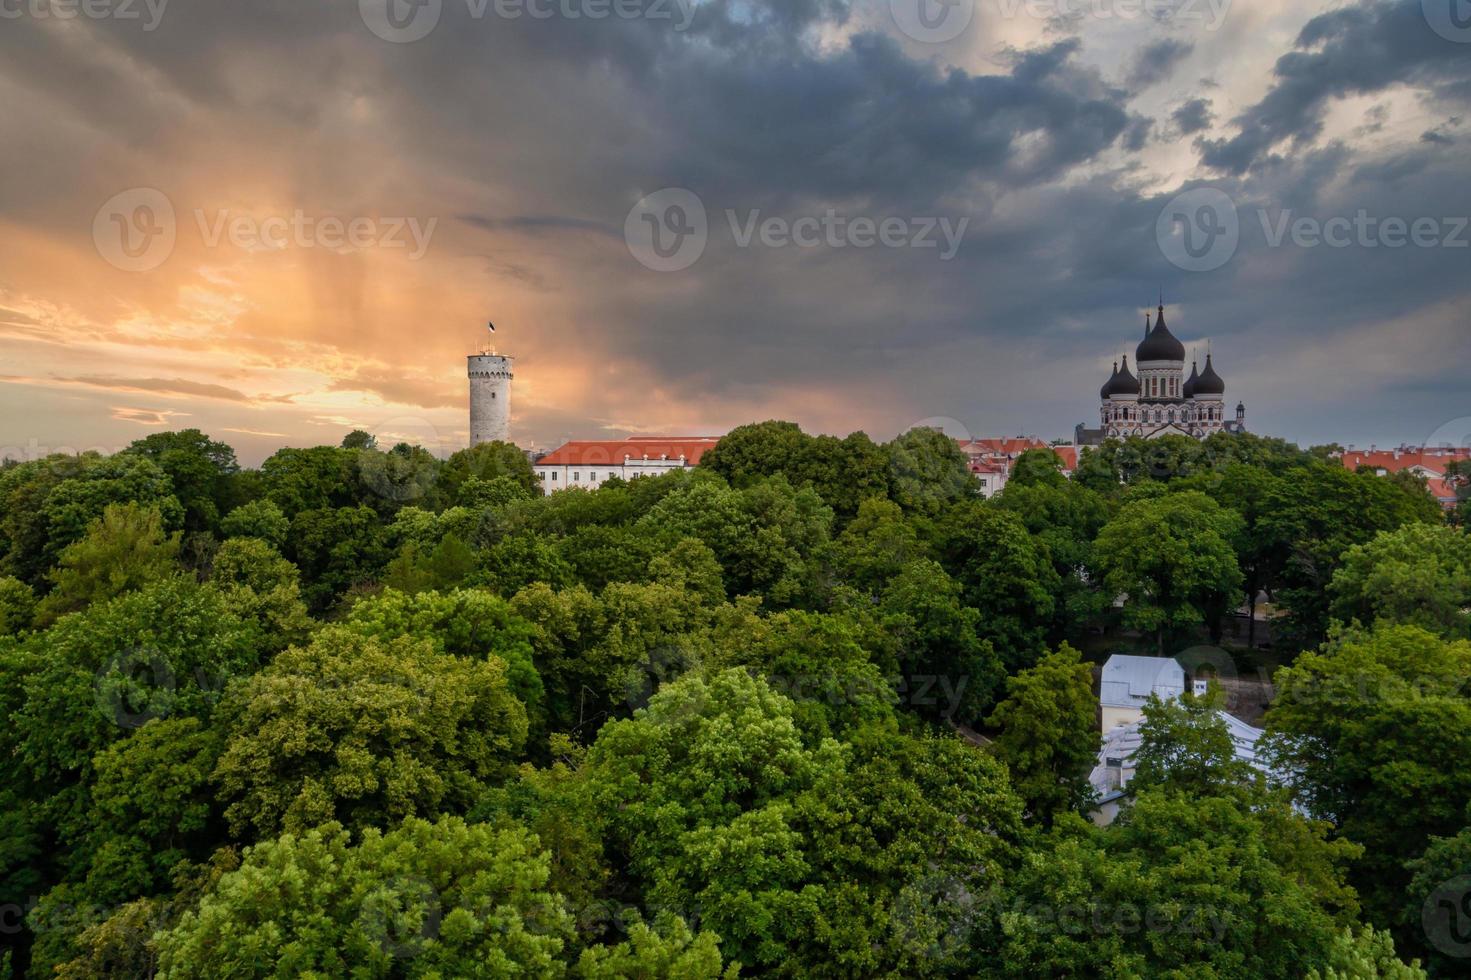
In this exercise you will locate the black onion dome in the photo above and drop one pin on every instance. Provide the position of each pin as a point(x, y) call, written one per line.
point(1107, 388)
point(1210, 383)
point(1189, 389)
point(1125, 383)
point(1160, 345)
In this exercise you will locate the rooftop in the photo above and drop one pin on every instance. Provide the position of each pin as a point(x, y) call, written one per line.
point(587, 452)
point(1128, 681)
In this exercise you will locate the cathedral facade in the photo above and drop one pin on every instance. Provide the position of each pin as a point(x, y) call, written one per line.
point(1162, 400)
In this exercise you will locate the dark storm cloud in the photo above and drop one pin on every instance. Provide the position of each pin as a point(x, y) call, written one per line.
point(1155, 61)
point(1350, 51)
point(1193, 116)
point(539, 136)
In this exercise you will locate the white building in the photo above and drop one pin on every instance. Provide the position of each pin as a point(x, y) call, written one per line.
point(1128, 681)
point(1162, 400)
point(589, 463)
point(991, 460)
point(1116, 766)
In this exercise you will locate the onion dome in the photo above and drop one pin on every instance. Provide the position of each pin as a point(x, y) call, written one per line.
point(1160, 345)
point(1125, 383)
point(1210, 383)
point(1107, 388)
point(1189, 389)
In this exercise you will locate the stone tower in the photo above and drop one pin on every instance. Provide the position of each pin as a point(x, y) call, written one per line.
point(490, 397)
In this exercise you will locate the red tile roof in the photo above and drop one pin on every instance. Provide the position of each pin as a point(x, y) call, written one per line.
point(1443, 491)
point(1394, 460)
point(1010, 447)
point(603, 452)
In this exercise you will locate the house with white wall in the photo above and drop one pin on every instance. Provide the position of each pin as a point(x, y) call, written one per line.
point(589, 463)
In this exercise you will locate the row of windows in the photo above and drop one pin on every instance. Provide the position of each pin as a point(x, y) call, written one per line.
point(576, 476)
point(1156, 415)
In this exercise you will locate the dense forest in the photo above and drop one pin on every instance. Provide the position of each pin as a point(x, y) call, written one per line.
point(814, 708)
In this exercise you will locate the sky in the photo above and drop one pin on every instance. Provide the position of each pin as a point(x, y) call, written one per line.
point(280, 220)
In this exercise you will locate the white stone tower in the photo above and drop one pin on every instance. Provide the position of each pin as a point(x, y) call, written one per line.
point(490, 397)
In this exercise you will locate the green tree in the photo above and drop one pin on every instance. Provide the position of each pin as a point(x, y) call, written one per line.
point(1373, 730)
point(1171, 559)
point(359, 439)
point(928, 472)
point(668, 949)
point(471, 623)
point(336, 550)
point(263, 586)
point(258, 519)
point(843, 472)
point(1179, 886)
point(1049, 733)
point(440, 899)
point(875, 546)
point(1066, 517)
point(152, 807)
point(1006, 574)
point(17, 605)
point(124, 549)
point(1365, 955)
point(1310, 519)
point(1419, 574)
point(487, 461)
point(364, 731)
point(199, 470)
point(1186, 747)
point(949, 671)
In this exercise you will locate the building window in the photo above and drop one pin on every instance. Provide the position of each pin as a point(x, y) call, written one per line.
point(577, 477)
point(593, 477)
point(554, 478)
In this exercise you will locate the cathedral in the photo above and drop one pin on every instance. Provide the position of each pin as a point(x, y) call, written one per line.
point(1162, 400)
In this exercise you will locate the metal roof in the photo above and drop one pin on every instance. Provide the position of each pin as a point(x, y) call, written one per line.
point(1127, 680)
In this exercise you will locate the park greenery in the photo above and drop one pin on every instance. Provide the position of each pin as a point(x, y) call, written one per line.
point(813, 709)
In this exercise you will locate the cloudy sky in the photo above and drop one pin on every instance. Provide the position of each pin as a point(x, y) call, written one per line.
point(276, 220)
